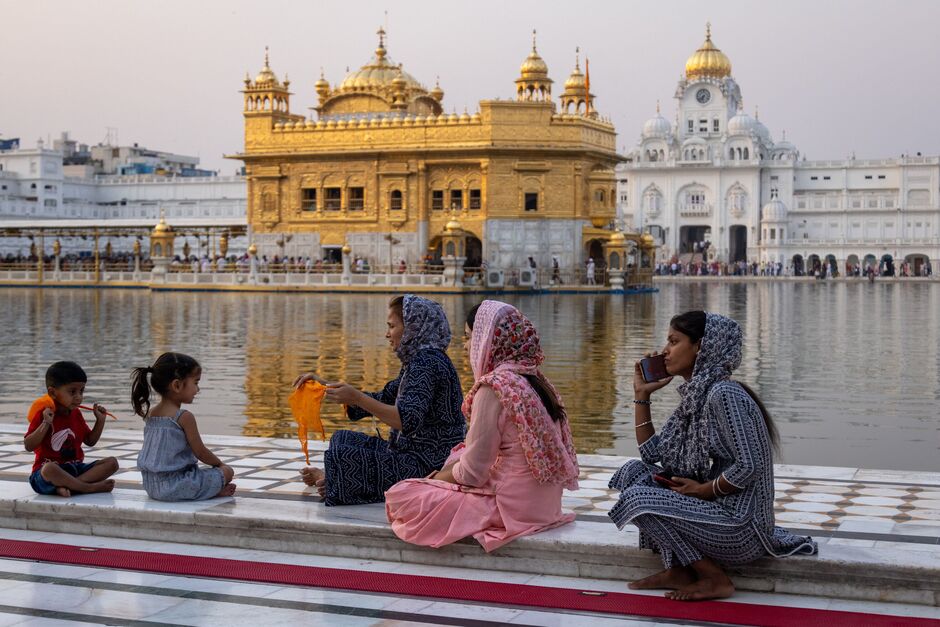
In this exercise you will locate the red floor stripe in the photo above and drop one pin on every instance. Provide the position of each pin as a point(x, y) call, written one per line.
point(446, 588)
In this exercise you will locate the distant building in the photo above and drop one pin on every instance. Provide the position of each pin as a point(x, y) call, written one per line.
point(74, 181)
point(716, 174)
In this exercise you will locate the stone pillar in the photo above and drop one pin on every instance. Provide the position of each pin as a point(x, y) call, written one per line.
point(346, 277)
point(252, 263)
point(453, 253)
point(137, 260)
point(57, 261)
point(161, 249)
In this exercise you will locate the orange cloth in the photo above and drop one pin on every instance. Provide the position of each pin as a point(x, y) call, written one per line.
point(305, 405)
point(45, 401)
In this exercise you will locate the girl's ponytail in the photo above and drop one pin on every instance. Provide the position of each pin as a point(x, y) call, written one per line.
point(140, 391)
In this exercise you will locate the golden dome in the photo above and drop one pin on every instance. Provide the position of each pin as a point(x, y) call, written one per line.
point(252, 250)
point(533, 66)
point(577, 82)
point(346, 249)
point(437, 93)
point(379, 72)
point(453, 225)
point(162, 226)
point(617, 237)
point(647, 240)
point(322, 84)
point(266, 75)
point(708, 61)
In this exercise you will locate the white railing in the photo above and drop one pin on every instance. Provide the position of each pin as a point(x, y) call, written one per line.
point(695, 209)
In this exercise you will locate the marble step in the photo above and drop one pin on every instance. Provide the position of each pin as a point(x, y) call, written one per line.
point(845, 568)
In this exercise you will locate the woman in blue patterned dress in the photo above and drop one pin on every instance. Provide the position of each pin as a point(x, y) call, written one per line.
point(718, 448)
point(422, 406)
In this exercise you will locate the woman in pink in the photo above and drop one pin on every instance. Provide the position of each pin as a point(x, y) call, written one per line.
point(506, 480)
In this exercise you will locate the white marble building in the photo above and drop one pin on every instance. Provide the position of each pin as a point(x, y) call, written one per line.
point(716, 174)
point(36, 184)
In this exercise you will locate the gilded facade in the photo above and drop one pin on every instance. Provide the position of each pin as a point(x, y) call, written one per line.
point(383, 168)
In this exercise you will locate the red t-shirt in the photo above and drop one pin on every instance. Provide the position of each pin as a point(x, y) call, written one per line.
point(63, 443)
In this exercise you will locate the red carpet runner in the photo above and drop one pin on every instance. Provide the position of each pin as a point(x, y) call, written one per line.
point(543, 597)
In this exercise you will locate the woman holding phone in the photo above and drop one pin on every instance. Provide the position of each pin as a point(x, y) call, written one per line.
point(712, 505)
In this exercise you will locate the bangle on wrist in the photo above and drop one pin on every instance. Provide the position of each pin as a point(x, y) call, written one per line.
point(640, 401)
point(643, 424)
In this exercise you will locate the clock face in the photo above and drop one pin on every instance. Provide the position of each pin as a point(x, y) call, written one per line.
point(703, 96)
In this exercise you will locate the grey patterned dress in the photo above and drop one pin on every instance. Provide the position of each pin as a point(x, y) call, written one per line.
point(722, 432)
point(168, 466)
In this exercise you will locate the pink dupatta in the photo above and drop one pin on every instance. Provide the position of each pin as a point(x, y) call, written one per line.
point(503, 348)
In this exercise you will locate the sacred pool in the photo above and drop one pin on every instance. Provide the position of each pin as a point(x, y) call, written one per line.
point(849, 371)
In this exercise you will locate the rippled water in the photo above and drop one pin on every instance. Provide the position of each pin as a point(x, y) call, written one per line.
point(850, 371)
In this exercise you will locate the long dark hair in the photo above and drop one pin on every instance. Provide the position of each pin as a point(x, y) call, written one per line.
point(167, 368)
point(548, 398)
point(692, 324)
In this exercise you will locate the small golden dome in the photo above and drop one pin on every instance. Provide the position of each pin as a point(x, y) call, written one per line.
point(266, 75)
point(617, 237)
point(252, 250)
point(162, 226)
point(708, 61)
point(322, 84)
point(437, 93)
point(534, 66)
point(647, 240)
point(453, 225)
point(347, 249)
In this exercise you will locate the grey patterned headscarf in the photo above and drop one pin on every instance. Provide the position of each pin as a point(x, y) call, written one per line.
point(426, 327)
point(684, 438)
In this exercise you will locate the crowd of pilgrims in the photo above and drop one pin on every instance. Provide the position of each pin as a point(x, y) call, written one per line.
point(491, 463)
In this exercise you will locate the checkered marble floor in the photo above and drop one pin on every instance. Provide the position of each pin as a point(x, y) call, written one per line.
point(859, 505)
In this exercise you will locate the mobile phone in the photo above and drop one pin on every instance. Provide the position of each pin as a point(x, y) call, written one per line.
point(654, 368)
point(665, 481)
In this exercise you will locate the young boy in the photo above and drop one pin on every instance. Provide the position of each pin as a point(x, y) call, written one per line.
point(57, 436)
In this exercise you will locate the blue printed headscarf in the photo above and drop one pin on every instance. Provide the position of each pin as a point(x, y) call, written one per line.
point(684, 438)
point(426, 327)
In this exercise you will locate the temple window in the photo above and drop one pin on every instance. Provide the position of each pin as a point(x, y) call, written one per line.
point(357, 198)
point(716, 125)
point(531, 201)
point(476, 199)
point(456, 199)
point(437, 199)
point(395, 200)
point(308, 199)
point(334, 198)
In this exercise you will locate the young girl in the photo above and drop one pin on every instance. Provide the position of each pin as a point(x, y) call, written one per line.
point(172, 446)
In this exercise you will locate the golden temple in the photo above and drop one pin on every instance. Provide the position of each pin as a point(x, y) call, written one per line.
point(385, 170)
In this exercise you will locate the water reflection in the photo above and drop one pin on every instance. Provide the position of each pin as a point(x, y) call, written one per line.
point(826, 358)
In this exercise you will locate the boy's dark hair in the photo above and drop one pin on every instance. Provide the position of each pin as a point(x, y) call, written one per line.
point(64, 372)
point(167, 368)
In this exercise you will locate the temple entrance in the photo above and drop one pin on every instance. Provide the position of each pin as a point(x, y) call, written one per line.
point(690, 237)
point(814, 265)
point(918, 264)
point(474, 252)
point(870, 262)
point(332, 254)
point(832, 266)
point(799, 267)
point(738, 243)
point(887, 265)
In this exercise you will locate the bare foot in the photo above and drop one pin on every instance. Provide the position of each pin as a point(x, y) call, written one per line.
point(63, 492)
point(714, 587)
point(670, 579)
point(321, 487)
point(311, 475)
point(227, 490)
point(100, 486)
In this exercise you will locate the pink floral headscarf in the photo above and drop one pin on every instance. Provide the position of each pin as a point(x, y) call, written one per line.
point(503, 348)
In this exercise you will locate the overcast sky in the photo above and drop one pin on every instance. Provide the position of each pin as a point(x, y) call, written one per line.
point(840, 76)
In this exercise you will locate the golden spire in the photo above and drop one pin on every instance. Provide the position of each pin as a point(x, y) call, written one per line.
point(657, 106)
point(380, 51)
point(533, 40)
point(577, 58)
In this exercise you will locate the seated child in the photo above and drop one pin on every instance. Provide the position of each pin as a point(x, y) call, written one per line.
point(57, 435)
point(168, 460)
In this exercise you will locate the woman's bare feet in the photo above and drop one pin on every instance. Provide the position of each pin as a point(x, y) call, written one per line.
point(312, 475)
point(669, 579)
point(227, 490)
point(61, 491)
point(712, 583)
